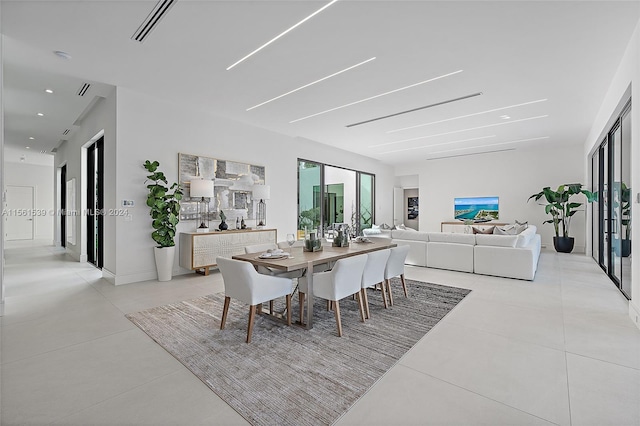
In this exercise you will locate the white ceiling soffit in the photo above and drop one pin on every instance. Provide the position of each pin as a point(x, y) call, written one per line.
point(552, 59)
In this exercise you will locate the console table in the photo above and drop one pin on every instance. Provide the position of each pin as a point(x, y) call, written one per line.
point(198, 250)
point(459, 226)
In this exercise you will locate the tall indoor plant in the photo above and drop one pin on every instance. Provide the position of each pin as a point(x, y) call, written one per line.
point(165, 212)
point(561, 207)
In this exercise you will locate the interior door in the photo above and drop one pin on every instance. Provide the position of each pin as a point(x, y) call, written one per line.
point(19, 214)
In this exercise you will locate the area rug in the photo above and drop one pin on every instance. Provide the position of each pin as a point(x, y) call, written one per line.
point(289, 375)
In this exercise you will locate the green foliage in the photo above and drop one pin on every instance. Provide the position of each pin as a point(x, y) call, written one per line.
point(309, 219)
point(625, 208)
point(164, 205)
point(223, 217)
point(559, 206)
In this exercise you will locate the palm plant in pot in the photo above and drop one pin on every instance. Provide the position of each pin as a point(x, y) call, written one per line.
point(561, 206)
point(165, 212)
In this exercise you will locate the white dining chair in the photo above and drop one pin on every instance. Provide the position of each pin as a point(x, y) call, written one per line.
point(395, 268)
point(345, 279)
point(242, 282)
point(373, 275)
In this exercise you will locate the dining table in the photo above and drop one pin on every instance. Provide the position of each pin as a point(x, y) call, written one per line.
point(300, 260)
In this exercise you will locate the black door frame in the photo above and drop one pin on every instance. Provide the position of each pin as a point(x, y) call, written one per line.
point(63, 206)
point(95, 203)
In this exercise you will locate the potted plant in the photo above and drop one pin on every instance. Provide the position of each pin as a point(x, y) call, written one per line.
point(165, 212)
point(561, 207)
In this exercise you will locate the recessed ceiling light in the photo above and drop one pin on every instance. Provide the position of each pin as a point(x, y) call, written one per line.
point(31, 138)
point(312, 83)
point(465, 116)
point(48, 90)
point(40, 114)
point(61, 54)
point(282, 34)
point(28, 147)
point(458, 131)
point(505, 117)
point(438, 144)
point(377, 96)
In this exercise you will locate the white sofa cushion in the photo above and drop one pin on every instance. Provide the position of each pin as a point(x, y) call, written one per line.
point(496, 240)
point(456, 257)
point(526, 236)
point(450, 237)
point(417, 251)
point(399, 234)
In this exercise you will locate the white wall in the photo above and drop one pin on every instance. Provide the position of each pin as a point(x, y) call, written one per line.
point(1, 173)
point(628, 74)
point(150, 128)
point(511, 175)
point(101, 118)
point(42, 180)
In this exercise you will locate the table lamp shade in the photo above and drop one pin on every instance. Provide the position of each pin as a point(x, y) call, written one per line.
point(261, 192)
point(201, 188)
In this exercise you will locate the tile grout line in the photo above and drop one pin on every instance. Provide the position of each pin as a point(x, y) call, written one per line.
point(564, 337)
point(479, 394)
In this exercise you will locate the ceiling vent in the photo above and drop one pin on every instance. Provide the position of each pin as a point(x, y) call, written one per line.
point(83, 90)
point(66, 132)
point(149, 24)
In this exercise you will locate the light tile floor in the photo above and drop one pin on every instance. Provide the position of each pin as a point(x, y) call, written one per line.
point(558, 350)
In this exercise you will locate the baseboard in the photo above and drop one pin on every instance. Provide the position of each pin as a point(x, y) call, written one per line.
point(84, 258)
point(109, 276)
point(634, 314)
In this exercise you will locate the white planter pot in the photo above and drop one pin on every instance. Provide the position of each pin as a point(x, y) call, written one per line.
point(164, 262)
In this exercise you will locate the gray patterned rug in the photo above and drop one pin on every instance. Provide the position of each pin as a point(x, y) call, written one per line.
point(288, 375)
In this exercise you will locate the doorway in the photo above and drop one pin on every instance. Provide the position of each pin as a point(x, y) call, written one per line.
point(19, 217)
point(62, 204)
point(95, 202)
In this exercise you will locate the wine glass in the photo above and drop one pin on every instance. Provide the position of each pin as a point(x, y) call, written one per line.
point(291, 239)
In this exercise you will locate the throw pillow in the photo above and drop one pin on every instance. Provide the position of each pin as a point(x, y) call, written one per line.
point(401, 226)
point(482, 231)
point(375, 226)
point(520, 227)
point(505, 230)
point(525, 224)
point(384, 226)
point(374, 231)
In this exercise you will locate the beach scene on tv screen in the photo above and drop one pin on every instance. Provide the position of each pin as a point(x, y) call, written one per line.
point(476, 208)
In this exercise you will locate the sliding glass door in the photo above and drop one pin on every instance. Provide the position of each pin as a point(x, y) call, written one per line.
point(611, 218)
point(330, 197)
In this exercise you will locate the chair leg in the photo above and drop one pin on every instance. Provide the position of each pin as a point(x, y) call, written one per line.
point(270, 307)
point(338, 319)
point(252, 317)
point(360, 306)
point(384, 293)
point(288, 309)
point(301, 309)
point(389, 291)
point(227, 299)
point(404, 285)
point(259, 308)
point(329, 305)
point(366, 302)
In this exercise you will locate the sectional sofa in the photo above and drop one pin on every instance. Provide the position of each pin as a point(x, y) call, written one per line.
point(511, 256)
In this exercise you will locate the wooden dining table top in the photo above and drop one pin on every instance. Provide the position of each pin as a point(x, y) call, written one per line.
point(300, 259)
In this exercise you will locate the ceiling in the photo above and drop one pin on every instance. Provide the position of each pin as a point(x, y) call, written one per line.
point(561, 54)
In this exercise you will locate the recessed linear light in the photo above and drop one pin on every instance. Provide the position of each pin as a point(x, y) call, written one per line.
point(461, 98)
point(310, 84)
point(458, 131)
point(505, 117)
point(438, 144)
point(486, 146)
point(40, 114)
point(377, 96)
point(31, 138)
point(465, 116)
point(471, 153)
point(48, 91)
point(282, 34)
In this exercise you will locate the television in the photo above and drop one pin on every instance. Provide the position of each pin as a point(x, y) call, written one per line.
point(476, 208)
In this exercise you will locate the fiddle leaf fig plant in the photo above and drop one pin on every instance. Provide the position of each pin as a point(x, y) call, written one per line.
point(560, 206)
point(164, 202)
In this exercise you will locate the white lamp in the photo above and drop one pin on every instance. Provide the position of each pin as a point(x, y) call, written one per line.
point(261, 192)
point(202, 188)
